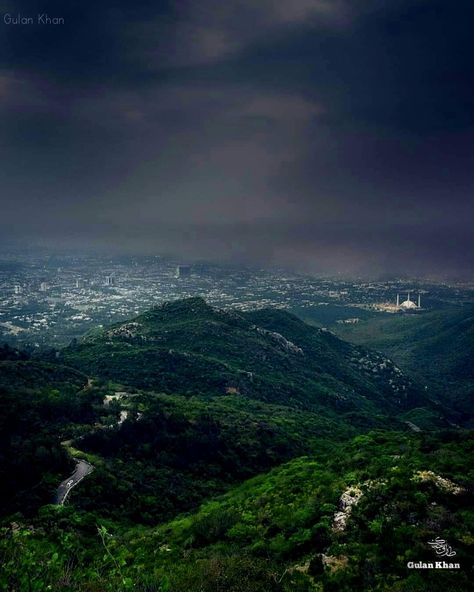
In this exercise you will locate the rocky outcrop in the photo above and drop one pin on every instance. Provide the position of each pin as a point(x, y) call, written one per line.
point(287, 345)
point(441, 483)
point(347, 501)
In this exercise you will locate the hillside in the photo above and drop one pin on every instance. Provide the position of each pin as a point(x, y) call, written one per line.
point(214, 397)
point(190, 348)
point(347, 521)
point(437, 348)
point(228, 452)
point(210, 397)
point(38, 404)
point(377, 499)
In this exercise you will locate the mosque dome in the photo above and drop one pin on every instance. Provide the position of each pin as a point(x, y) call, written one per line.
point(408, 304)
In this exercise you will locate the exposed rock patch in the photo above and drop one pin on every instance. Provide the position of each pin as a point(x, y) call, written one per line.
point(347, 501)
point(287, 345)
point(442, 483)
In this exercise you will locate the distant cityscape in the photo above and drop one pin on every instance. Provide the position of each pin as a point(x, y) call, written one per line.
point(47, 300)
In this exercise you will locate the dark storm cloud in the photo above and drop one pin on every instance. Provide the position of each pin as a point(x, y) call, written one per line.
point(327, 134)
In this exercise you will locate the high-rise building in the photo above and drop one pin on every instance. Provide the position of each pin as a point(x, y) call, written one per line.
point(44, 287)
point(110, 280)
point(18, 289)
point(182, 271)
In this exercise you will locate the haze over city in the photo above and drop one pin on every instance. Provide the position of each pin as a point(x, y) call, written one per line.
point(322, 136)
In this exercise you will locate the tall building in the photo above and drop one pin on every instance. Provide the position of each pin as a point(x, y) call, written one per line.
point(44, 287)
point(110, 280)
point(18, 289)
point(183, 271)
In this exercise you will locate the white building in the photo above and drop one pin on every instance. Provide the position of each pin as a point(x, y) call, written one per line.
point(408, 304)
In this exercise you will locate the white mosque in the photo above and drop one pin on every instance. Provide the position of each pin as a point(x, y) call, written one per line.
point(408, 304)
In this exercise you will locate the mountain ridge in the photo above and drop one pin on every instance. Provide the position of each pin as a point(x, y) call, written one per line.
point(268, 354)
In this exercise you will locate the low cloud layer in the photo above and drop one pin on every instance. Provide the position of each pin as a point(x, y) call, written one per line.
point(323, 135)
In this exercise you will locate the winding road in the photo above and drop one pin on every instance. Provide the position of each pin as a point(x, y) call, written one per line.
point(83, 468)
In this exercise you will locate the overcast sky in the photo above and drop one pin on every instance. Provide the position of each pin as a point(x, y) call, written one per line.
point(327, 135)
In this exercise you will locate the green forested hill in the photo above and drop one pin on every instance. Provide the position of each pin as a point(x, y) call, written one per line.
point(258, 388)
point(183, 450)
point(190, 348)
point(437, 348)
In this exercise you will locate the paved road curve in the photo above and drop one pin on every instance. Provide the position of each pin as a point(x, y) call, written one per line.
point(83, 468)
